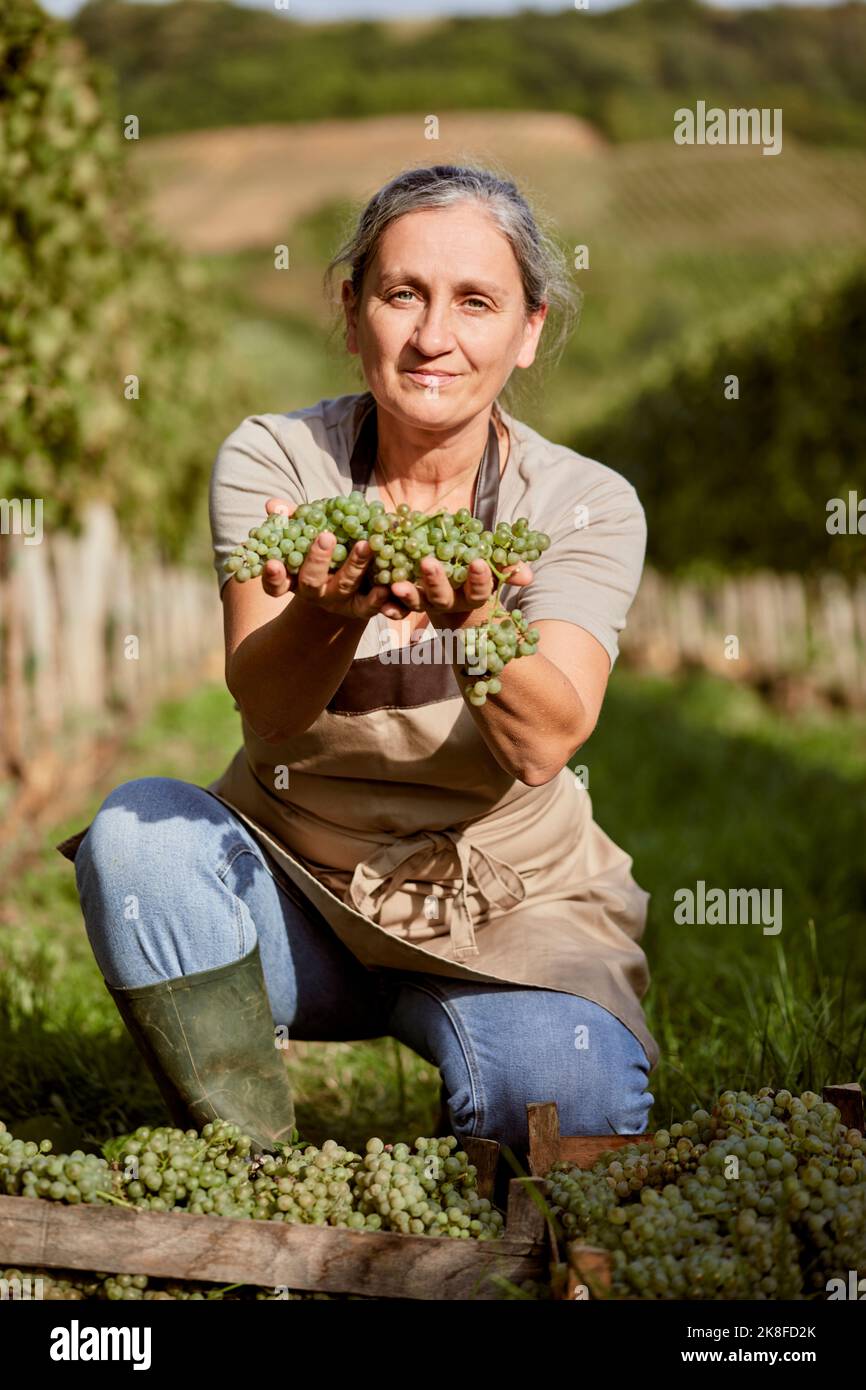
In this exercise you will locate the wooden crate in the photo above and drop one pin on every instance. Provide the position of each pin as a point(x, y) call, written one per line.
point(42, 1234)
point(270, 1254)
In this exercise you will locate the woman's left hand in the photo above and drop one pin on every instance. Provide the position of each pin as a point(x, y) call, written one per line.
point(463, 607)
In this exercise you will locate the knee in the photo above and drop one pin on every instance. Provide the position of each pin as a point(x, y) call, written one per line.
point(596, 1071)
point(137, 825)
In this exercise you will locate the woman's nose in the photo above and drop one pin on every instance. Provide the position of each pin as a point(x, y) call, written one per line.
point(433, 333)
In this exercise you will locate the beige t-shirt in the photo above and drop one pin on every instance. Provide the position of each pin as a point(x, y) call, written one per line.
point(588, 576)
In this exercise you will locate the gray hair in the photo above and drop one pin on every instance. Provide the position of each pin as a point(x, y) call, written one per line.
point(541, 261)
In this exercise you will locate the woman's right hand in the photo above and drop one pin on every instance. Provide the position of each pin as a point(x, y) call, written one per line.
point(338, 591)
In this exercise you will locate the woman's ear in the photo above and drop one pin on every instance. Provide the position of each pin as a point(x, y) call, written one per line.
point(531, 334)
point(350, 309)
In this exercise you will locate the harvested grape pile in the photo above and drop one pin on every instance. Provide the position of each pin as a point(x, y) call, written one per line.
point(389, 1188)
point(763, 1198)
point(428, 1190)
point(399, 542)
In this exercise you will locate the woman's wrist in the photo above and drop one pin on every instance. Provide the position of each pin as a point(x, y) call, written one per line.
point(471, 617)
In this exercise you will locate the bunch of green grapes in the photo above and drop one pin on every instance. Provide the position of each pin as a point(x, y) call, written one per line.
point(489, 647)
point(432, 1190)
point(684, 1221)
point(429, 1192)
point(28, 1169)
point(399, 542)
point(49, 1284)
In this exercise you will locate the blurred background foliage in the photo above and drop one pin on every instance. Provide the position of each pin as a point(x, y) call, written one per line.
point(799, 364)
point(193, 65)
point(89, 294)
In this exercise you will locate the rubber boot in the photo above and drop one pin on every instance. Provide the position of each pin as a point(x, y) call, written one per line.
point(209, 1041)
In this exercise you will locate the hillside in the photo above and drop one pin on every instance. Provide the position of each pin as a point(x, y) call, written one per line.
point(679, 238)
point(244, 186)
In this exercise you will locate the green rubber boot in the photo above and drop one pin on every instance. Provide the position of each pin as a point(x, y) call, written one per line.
point(209, 1041)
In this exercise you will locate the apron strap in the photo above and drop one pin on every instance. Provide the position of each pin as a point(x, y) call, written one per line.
point(486, 484)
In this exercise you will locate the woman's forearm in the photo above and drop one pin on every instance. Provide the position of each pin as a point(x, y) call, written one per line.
point(535, 723)
point(284, 673)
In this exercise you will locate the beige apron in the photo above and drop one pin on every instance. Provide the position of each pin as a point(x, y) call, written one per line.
point(391, 815)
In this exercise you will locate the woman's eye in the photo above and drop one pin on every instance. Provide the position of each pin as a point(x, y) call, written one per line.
point(472, 301)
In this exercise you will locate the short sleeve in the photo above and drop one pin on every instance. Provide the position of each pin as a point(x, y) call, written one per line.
point(252, 464)
point(590, 573)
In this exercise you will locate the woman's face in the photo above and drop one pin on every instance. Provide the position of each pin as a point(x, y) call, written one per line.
point(441, 322)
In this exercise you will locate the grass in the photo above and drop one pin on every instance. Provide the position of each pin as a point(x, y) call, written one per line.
point(697, 778)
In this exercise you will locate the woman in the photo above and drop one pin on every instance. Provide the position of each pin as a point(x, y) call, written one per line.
point(381, 856)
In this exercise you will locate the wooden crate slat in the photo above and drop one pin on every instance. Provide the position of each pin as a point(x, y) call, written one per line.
point(848, 1099)
point(547, 1146)
point(588, 1267)
point(527, 1209)
point(583, 1149)
point(544, 1137)
point(484, 1154)
point(34, 1232)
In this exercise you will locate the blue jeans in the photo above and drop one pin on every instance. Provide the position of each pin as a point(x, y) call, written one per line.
point(171, 883)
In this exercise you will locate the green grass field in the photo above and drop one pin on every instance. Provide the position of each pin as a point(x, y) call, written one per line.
point(696, 778)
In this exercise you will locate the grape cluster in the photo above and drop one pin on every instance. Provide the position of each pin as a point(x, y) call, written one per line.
point(680, 1224)
point(28, 1169)
point(399, 542)
point(489, 647)
point(431, 1191)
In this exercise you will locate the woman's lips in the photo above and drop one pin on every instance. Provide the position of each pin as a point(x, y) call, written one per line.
point(438, 379)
